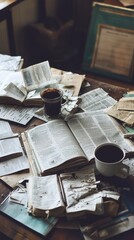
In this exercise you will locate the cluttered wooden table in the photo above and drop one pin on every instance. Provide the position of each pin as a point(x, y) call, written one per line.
point(71, 199)
point(62, 228)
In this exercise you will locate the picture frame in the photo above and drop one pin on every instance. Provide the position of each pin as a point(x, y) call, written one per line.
point(109, 49)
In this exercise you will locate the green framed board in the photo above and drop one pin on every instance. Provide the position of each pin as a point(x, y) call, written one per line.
point(109, 49)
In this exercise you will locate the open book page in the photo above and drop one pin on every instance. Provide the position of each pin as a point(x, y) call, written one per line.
point(44, 196)
point(14, 165)
point(95, 100)
point(5, 130)
point(54, 147)
point(36, 75)
point(34, 95)
point(94, 128)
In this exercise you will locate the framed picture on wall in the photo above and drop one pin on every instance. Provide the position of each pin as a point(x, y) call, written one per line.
point(109, 49)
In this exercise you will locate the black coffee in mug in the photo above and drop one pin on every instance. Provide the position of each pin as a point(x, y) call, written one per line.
point(109, 153)
point(52, 98)
point(109, 160)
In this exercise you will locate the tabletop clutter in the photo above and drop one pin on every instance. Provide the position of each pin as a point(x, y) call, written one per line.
point(70, 177)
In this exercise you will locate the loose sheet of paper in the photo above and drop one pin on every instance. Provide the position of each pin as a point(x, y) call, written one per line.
point(17, 114)
point(7, 62)
point(125, 116)
point(95, 100)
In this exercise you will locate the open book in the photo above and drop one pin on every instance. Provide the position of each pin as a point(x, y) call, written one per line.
point(73, 194)
point(20, 87)
point(60, 146)
point(23, 87)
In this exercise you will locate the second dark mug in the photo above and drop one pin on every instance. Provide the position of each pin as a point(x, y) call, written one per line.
point(52, 98)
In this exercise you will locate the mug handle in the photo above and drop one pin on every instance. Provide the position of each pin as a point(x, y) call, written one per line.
point(122, 171)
